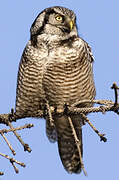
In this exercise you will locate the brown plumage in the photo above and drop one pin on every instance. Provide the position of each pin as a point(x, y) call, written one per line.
point(56, 67)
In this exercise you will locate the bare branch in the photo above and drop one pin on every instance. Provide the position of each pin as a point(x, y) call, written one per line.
point(108, 106)
point(17, 128)
point(76, 108)
point(12, 161)
point(115, 87)
point(8, 143)
point(26, 146)
point(102, 138)
point(102, 109)
point(13, 130)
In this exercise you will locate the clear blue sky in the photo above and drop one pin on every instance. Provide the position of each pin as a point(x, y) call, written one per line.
point(98, 23)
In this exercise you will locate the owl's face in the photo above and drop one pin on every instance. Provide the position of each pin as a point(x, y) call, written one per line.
point(55, 21)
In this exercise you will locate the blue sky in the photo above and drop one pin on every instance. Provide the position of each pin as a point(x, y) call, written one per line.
point(98, 23)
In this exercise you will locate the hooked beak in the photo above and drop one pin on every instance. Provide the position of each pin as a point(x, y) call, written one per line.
point(71, 25)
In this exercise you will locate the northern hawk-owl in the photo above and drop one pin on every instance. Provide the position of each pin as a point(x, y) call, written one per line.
point(56, 66)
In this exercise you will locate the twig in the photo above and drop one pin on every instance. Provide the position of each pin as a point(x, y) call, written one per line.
point(15, 168)
point(17, 128)
point(8, 143)
point(11, 117)
point(12, 161)
point(13, 130)
point(26, 146)
point(115, 87)
point(102, 138)
point(77, 144)
point(116, 104)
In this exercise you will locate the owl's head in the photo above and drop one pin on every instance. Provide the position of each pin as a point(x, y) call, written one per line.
point(55, 21)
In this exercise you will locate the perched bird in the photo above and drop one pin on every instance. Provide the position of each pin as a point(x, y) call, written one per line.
point(56, 67)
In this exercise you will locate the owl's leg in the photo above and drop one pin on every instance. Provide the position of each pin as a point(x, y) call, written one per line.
point(49, 113)
point(50, 126)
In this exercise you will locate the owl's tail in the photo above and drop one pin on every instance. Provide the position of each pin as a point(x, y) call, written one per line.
point(68, 150)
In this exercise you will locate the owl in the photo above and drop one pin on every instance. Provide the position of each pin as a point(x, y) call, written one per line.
point(56, 67)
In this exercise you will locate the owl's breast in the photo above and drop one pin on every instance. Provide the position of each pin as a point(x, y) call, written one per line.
point(64, 77)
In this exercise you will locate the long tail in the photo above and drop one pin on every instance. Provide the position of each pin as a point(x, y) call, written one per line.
point(68, 150)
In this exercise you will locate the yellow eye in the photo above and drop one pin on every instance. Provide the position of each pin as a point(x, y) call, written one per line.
point(59, 18)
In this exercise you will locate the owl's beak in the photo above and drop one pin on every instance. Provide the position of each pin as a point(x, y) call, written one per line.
point(71, 25)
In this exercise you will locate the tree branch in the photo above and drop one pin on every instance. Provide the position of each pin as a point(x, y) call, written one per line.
point(105, 106)
point(12, 161)
point(102, 138)
point(108, 106)
point(8, 143)
point(26, 146)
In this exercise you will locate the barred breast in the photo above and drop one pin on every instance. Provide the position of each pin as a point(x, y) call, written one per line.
point(68, 75)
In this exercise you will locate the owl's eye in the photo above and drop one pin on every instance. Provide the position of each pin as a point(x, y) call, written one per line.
point(59, 18)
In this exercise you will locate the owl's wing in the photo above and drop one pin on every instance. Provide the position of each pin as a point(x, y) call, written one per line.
point(29, 93)
point(90, 52)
